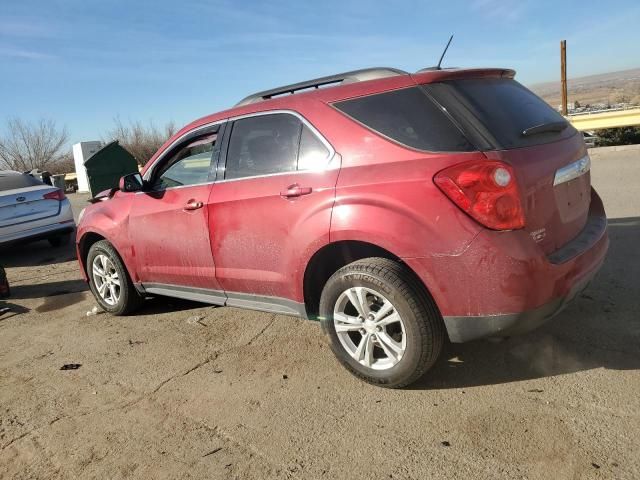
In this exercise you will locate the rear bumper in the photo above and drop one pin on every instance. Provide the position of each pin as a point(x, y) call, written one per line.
point(466, 328)
point(503, 284)
point(58, 224)
point(39, 233)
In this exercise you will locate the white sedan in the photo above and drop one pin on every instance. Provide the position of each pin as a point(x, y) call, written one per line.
point(32, 210)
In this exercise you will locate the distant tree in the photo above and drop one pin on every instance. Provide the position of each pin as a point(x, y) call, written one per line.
point(64, 165)
point(576, 104)
point(142, 141)
point(618, 136)
point(27, 146)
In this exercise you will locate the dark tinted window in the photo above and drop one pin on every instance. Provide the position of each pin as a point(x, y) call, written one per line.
point(498, 109)
point(263, 145)
point(189, 166)
point(313, 153)
point(409, 117)
point(12, 181)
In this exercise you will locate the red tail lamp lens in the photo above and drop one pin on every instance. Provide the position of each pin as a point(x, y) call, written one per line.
point(487, 191)
point(55, 195)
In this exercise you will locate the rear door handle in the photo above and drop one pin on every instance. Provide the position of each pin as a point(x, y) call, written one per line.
point(193, 205)
point(295, 190)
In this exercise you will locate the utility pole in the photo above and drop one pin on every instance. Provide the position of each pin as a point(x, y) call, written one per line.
point(563, 75)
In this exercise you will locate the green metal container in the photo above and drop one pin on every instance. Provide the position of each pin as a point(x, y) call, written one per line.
point(107, 165)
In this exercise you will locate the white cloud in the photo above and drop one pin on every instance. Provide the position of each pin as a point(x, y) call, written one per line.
point(24, 54)
point(503, 10)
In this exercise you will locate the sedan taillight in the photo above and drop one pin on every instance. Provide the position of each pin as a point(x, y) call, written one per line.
point(55, 195)
point(486, 190)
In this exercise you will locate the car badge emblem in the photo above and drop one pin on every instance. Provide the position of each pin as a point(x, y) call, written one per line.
point(538, 235)
point(21, 199)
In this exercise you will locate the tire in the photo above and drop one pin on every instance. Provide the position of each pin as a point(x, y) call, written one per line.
point(126, 298)
point(60, 240)
point(411, 345)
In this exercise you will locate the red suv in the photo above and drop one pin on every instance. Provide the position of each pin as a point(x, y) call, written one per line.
point(394, 208)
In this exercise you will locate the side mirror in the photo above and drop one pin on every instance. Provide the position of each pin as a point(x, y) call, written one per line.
point(131, 183)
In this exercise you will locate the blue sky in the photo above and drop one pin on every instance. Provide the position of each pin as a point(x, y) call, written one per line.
point(85, 62)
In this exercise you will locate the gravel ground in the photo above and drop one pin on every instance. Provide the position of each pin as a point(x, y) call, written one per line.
point(183, 390)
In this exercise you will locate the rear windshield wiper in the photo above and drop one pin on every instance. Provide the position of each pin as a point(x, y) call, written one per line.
point(545, 128)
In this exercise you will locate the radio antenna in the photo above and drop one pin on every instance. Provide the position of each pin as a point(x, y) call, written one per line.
point(443, 53)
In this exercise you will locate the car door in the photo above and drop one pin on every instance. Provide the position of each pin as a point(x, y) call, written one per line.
point(169, 220)
point(270, 207)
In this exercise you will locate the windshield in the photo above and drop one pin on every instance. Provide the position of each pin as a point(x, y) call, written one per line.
point(496, 111)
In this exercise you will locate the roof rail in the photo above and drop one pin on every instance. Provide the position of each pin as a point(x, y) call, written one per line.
point(347, 77)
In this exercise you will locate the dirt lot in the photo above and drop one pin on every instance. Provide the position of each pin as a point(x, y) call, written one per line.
point(183, 390)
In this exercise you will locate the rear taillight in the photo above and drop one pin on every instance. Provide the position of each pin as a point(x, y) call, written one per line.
point(55, 195)
point(486, 190)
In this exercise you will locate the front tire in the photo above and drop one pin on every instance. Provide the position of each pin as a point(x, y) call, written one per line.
point(383, 326)
point(109, 280)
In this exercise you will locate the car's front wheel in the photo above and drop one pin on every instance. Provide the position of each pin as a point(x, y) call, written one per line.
point(382, 324)
point(109, 280)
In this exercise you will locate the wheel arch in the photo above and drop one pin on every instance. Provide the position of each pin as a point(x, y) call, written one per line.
point(86, 241)
point(333, 256)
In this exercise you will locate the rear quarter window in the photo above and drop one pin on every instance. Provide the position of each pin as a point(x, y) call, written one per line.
point(16, 181)
point(408, 117)
point(495, 111)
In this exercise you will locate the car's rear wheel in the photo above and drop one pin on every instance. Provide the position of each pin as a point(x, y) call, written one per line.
point(109, 280)
point(383, 326)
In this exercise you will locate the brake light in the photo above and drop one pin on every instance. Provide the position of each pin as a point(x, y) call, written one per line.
point(55, 195)
point(486, 190)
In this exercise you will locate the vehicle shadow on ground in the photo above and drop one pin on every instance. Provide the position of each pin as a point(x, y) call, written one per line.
point(601, 329)
point(48, 289)
point(13, 310)
point(159, 305)
point(35, 254)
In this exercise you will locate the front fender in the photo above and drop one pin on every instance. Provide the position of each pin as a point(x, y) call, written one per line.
point(109, 220)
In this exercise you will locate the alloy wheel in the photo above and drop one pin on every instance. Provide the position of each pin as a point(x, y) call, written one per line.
point(106, 279)
point(369, 328)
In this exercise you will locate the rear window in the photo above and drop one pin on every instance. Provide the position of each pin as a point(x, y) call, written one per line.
point(409, 117)
point(495, 111)
point(15, 181)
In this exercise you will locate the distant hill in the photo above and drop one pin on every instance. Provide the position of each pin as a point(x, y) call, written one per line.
point(605, 88)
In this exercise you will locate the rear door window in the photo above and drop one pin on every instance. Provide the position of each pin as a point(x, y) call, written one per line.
point(13, 181)
point(409, 117)
point(495, 112)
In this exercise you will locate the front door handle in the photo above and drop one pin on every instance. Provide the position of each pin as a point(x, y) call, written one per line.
point(193, 205)
point(295, 190)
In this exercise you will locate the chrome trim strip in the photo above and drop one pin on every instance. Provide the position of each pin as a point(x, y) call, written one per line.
point(295, 114)
point(333, 159)
point(573, 170)
point(330, 165)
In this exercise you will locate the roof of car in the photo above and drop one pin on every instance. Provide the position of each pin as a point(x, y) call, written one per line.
point(335, 88)
point(7, 173)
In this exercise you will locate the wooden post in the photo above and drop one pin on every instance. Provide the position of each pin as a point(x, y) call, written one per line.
point(563, 75)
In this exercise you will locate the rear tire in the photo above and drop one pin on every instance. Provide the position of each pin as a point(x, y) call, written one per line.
point(390, 330)
point(109, 280)
point(60, 240)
